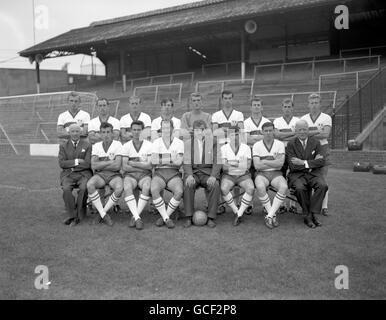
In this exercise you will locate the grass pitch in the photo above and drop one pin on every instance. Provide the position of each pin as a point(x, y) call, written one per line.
point(245, 262)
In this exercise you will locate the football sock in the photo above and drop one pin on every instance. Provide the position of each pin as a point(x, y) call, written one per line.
point(142, 201)
point(113, 199)
point(96, 201)
point(230, 202)
point(245, 202)
point(160, 206)
point(173, 205)
point(265, 202)
point(132, 204)
point(277, 201)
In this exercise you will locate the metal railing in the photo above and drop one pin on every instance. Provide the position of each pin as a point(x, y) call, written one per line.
point(27, 115)
point(342, 74)
point(292, 95)
point(369, 49)
point(313, 63)
point(220, 64)
point(158, 86)
point(350, 118)
point(171, 77)
point(224, 82)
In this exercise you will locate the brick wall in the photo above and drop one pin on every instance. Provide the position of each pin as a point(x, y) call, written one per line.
point(346, 159)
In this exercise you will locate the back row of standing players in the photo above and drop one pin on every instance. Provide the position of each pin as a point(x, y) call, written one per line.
point(137, 167)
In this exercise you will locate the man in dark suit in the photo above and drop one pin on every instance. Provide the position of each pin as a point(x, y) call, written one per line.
point(75, 160)
point(201, 170)
point(306, 160)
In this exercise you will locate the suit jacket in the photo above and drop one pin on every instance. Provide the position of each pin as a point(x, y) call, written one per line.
point(295, 149)
point(68, 154)
point(208, 164)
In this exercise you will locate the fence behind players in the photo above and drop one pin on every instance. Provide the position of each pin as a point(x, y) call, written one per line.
point(350, 118)
point(31, 119)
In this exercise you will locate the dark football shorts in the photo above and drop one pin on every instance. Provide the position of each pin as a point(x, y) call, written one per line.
point(270, 175)
point(107, 176)
point(167, 174)
point(137, 176)
point(236, 179)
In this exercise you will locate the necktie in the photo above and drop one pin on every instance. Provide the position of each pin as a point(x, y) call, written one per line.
point(75, 144)
point(304, 145)
point(203, 152)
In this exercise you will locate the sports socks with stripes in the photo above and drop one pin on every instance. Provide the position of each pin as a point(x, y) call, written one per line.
point(96, 201)
point(113, 199)
point(173, 205)
point(142, 201)
point(277, 201)
point(230, 202)
point(245, 202)
point(132, 204)
point(160, 206)
point(265, 202)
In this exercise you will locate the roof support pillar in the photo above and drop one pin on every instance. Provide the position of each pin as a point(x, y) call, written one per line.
point(122, 68)
point(242, 56)
point(37, 67)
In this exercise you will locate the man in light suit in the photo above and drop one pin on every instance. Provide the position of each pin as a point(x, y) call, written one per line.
point(201, 170)
point(306, 159)
point(75, 160)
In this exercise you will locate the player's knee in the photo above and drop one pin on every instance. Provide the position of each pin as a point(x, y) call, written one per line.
point(118, 190)
point(90, 187)
point(250, 190)
point(177, 194)
point(260, 187)
point(146, 187)
point(225, 189)
point(155, 190)
point(283, 188)
point(128, 189)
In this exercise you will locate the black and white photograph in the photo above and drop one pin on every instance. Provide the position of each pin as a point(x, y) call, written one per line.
point(210, 151)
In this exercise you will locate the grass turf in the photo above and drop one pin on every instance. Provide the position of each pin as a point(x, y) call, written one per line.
point(245, 262)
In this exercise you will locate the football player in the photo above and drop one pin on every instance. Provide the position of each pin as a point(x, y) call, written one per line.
point(254, 123)
point(136, 165)
point(320, 128)
point(236, 158)
point(103, 108)
point(285, 131)
point(167, 111)
point(135, 114)
point(268, 158)
point(73, 115)
point(167, 158)
point(106, 162)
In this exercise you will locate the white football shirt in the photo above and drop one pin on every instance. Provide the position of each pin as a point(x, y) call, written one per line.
point(222, 120)
point(156, 124)
point(109, 154)
point(252, 127)
point(320, 122)
point(66, 119)
point(94, 124)
point(175, 148)
point(283, 126)
point(260, 150)
point(243, 154)
point(127, 119)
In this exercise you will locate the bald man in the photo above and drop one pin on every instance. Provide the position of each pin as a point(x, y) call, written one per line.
point(306, 159)
point(75, 160)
